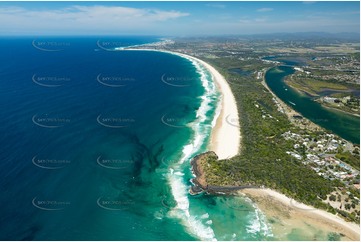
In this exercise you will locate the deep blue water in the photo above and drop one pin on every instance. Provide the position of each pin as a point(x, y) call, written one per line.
point(95, 145)
point(71, 143)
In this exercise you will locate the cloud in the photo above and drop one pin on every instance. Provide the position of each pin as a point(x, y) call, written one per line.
point(264, 9)
point(81, 18)
point(253, 21)
point(126, 13)
point(260, 20)
point(216, 5)
point(309, 2)
point(304, 24)
point(245, 21)
point(101, 19)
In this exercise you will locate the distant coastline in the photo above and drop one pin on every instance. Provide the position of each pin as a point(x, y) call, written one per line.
point(225, 137)
point(225, 143)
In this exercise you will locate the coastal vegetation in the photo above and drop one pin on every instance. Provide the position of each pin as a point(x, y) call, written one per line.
point(267, 157)
point(263, 160)
point(351, 158)
point(333, 89)
point(313, 86)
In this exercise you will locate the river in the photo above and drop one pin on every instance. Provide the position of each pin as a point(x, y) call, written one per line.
point(345, 125)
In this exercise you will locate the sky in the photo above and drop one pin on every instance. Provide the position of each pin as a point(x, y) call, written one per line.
point(177, 18)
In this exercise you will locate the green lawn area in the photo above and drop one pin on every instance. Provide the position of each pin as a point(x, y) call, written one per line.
point(313, 86)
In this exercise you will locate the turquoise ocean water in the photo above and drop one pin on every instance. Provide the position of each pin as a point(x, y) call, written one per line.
point(96, 145)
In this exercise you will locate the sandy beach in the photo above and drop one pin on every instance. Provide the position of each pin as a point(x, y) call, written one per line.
point(287, 216)
point(225, 137)
point(284, 214)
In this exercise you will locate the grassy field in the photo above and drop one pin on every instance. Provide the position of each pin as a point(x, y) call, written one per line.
point(313, 86)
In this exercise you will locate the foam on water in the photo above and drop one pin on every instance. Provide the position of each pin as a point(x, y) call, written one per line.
point(178, 173)
point(218, 112)
point(181, 211)
point(258, 223)
point(195, 224)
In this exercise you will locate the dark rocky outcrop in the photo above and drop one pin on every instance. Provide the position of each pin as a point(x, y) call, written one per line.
point(200, 184)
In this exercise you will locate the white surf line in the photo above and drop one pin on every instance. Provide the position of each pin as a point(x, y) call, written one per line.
point(226, 139)
point(180, 190)
point(226, 135)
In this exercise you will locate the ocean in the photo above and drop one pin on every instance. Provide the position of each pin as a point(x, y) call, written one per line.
point(96, 145)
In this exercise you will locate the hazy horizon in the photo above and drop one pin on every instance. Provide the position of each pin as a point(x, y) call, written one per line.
point(177, 18)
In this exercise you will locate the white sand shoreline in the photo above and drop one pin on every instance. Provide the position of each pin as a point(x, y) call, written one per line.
point(225, 142)
point(225, 137)
point(305, 213)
